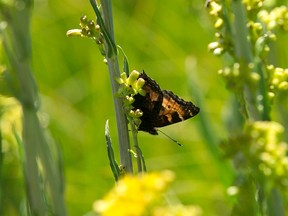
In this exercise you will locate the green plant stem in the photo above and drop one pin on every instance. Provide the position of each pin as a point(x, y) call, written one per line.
point(17, 46)
point(113, 67)
point(140, 159)
point(36, 145)
point(263, 91)
point(245, 56)
point(276, 205)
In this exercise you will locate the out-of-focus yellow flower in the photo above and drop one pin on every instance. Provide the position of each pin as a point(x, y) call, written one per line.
point(10, 117)
point(261, 149)
point(132, 195)
point(215, 8)
point(267, 149)
point(277, 18)
point(253, 4)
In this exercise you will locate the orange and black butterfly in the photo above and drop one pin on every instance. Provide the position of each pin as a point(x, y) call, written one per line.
point(161, 107)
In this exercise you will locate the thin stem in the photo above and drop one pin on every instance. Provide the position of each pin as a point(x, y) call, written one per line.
point(113, 67)
point(263, 91)
point(244, 56)
point(139, 157)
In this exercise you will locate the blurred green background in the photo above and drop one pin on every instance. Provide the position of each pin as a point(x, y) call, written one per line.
point(161, 37)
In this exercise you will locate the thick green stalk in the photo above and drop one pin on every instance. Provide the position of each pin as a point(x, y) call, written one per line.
point(245, 57)
point(17, 45)
point(113, 66)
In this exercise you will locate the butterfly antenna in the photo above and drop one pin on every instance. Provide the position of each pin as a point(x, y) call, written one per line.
point(174, 140)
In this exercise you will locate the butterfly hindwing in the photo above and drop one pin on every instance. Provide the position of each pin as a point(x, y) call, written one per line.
point(161, 107)
point(174, 109)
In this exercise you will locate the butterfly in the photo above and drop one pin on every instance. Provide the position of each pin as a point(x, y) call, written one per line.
point(161, 107)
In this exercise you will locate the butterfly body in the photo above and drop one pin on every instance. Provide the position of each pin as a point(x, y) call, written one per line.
point(161, 107)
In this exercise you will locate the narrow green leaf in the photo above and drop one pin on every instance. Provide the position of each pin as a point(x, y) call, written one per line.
point(125, 61)
point(112, 50)
point(113, 163)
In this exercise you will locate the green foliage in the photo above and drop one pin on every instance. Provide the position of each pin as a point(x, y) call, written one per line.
point(245, 34)
point(42, 176)
point(166, 40)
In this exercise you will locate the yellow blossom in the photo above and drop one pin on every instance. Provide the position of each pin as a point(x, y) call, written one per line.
point(133, 194)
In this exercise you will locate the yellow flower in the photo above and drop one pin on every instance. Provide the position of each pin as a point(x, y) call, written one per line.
point(132, 195)
point(11, 117)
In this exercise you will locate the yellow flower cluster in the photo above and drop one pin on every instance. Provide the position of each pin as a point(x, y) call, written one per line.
point(267, 149)
point(260, 152)
point(215, 10)
point(277, 18)
point(129, 87)
point(233, 78)
point(253, 4)
point(89, 29)
point(278, 80)
point(133, 195)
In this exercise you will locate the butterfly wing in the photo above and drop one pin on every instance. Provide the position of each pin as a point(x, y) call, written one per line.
point(174, 109)
point(161, 108)
point(150, 104)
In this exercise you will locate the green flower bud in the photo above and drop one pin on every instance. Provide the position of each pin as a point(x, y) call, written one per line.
point(74, 32)
point(139, 83)
point(236, 71)
point(271, 95)
point(91, 24)
point(212, 46)
point(232, 190)
point(285, 74)
point(135, 113)
point(138, 113)
point(218, 51)
point(270, 67)
point(220, 71)
point(122, 79)
point(133, 77)
point(283, 86)
point(275, 81)
point(215, 8)
point(255, 77)
point(226, 71)
point(130, 99)
point(83, 21)
point(219, 23)
point(272, 37)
